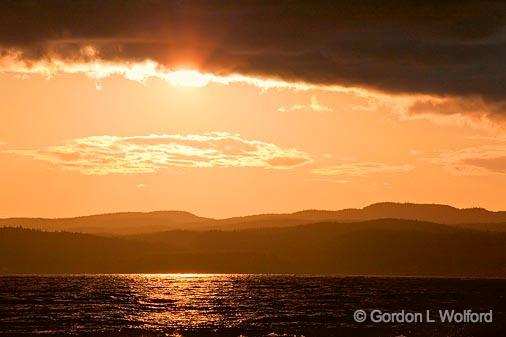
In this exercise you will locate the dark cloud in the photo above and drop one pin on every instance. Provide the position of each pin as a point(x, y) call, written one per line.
point(435, 47)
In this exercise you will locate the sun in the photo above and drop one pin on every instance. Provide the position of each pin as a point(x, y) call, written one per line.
point(188, 78)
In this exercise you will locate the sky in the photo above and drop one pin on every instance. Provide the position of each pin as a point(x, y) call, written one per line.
point(243, 109)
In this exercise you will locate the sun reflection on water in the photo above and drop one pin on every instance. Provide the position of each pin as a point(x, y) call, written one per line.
point(179, 275)
point(167, 303)
point(187, 299)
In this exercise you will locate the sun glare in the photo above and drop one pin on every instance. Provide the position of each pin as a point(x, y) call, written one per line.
point(188, 78)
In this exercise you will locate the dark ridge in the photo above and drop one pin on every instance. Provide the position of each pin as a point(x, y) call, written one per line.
point(377, 247)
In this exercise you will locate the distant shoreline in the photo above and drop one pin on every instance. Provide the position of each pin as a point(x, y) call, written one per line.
point(191, 275)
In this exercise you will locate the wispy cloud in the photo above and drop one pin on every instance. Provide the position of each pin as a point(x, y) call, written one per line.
point(477, 160)
point(361, 169)
point(315, 105)
point(101, 155)
point(326, 180)
point(415, 152)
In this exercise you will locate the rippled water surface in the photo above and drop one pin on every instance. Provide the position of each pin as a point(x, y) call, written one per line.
point(233, 305)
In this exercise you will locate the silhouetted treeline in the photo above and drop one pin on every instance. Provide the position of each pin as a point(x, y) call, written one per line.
point(378, 247)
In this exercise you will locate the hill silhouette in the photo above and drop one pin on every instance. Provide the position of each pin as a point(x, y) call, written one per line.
point(113, 223)
point(138, 222)
point(376, 247)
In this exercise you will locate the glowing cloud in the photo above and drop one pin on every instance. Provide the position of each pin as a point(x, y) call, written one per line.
point(101, 155)
point(97, 69)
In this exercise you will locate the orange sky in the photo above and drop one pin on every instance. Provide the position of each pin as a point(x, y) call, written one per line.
point(74, 145)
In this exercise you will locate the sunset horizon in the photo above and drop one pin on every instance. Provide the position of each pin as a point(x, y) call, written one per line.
point(267, 212)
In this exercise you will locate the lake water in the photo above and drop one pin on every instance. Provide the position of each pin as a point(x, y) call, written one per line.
point(234, 305)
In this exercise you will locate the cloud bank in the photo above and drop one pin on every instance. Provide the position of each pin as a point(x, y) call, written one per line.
point(447, 49)
point(101, 155)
